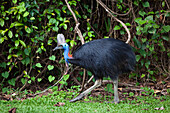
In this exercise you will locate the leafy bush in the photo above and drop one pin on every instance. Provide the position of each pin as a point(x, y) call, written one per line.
point(29, 29)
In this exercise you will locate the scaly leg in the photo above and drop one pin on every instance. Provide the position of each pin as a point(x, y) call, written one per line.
point(67, 68)
point(116, 97)
point(96, 84)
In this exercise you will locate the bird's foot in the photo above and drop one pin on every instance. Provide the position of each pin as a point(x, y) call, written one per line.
point(116, 101)
point(77, 98)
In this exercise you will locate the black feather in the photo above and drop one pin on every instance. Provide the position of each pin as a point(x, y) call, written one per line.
point(105, 57)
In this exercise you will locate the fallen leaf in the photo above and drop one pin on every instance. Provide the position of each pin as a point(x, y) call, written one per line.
point(120, 89)
point(12, 110)
point(162, 108)
point(168, 86)
point(156, 108)
point(59, 104)
point(157, 91)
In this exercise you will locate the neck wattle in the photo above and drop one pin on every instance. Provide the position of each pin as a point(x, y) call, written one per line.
point(67, 55)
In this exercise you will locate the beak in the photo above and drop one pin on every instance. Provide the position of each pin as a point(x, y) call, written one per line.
point(58, 47)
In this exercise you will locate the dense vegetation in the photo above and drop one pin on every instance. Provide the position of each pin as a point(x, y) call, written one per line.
point(29, 29)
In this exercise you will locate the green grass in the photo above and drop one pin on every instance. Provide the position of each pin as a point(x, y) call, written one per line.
point(46, 104)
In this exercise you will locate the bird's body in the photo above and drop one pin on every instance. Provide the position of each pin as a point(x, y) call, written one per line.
point(103, 57)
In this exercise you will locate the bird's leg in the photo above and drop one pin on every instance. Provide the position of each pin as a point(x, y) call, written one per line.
point(116, 97)
point(67, 68)
point(96, 84)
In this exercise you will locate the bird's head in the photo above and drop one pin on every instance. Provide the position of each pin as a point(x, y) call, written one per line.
point(61, 43)
point(64, 46)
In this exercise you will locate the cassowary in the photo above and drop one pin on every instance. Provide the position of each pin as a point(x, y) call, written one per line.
point(103, 57)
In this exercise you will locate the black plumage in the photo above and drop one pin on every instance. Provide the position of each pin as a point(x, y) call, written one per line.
point(105, 57)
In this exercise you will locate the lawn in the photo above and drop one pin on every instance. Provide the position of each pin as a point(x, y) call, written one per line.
point(51, 104)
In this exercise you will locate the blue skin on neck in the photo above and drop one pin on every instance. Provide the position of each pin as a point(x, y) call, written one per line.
point(66, 51)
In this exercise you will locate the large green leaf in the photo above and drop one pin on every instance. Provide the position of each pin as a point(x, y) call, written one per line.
point(52, 21)
point(138, 58)
point(50, 67)
point(145, 4)
point(26, 14)
point(117, 27)
point(22, 42)
point(10, 34)
point(147, 64)
point(12, 81)
point(5, 74)
point(26, 51)
point(16, 43)
point(18, 24)
point(26, 61)
point(51, 78)
point(52, 57)
point(66, 77)
point(2, 22)
point(38, 65)
point(27, 29)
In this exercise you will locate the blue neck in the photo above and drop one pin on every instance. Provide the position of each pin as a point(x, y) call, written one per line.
point(66, 51)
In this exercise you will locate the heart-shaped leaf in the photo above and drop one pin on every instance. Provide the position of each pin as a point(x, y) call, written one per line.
point(50, 67)
point(51, 78)
point(38, 65)
point(5, 74)
point(52, 57)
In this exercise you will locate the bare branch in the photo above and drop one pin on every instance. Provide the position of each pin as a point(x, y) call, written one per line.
point(109, 11)
point(76, 29)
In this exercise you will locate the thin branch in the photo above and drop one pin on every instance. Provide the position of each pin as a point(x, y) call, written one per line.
point(122, 14)
point(109, 11)
point(77, 30)
point(167, 4)
point(89, 80)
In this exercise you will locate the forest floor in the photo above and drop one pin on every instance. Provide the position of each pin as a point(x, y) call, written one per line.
point(148, 97)
point(51, 104)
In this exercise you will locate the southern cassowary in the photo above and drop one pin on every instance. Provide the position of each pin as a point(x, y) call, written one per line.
point(103, 57)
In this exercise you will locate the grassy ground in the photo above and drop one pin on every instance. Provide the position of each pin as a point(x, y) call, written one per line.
point(45, 104)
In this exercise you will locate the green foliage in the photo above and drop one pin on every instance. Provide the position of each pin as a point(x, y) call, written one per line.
point(109, 88)
point(28, 32)
point(64, 80)
point(150, 40)
point(51, 78)
point(147, 91)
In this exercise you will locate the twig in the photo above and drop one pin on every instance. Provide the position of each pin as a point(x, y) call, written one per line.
point(89, 80)
point(122, 14)
point(77, 23)
point(167, 4)
point(77, 30)
point(109, 11)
